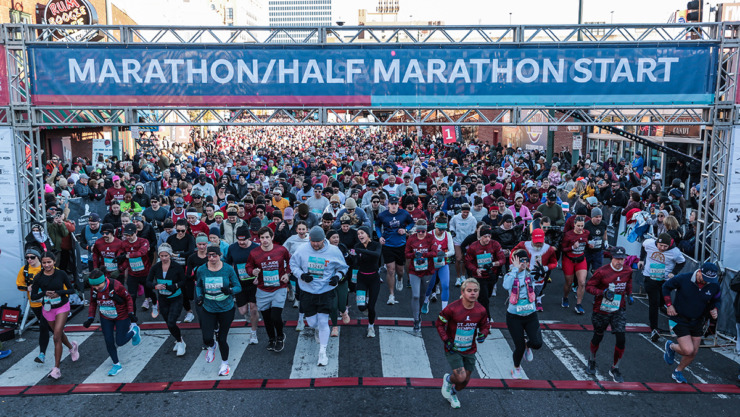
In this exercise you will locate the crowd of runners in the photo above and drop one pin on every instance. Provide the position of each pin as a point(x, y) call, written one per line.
point(246, 220)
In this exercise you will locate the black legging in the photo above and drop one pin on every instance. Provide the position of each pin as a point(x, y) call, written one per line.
point(370, 283)
point(133, 289)
point(170, 309)
point(208, 323)
point(188, 294)
point(485, 293)
point(654, 290)
point(44, 329)
point(517, 326)
point(273, 318)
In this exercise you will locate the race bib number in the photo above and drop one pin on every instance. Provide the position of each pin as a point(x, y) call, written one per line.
point(213, 288)
point(137, 264)
point(657, 271)
point(52, 301)
point(611, 306)
point(483, 259)
point(241, 271)
point(110, 264)
point(524, 307)
point(464, 339)
point(108, 311)
point(316, 266)
point(361, 298)
point(271, 278)
point(596, 243)
point(439, 262)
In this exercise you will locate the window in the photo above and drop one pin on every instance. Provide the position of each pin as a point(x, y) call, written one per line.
point(230, 13)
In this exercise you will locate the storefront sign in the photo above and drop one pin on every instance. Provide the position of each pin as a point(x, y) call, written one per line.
point(69, 12)
point(102, 147)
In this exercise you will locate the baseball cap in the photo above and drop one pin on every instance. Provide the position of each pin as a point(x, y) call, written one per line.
point(538, 236)
point(288, 215)
point(619, 253)
point(710, 272)
point(393, 200)
point(115, 178)
point(592, 200)
point(94, 218)
point(552, 195)
point(456, 187)
point(129, 229)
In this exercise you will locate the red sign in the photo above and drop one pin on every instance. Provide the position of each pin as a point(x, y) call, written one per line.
point(4, 92)
point(449, 134)
point(69, 12)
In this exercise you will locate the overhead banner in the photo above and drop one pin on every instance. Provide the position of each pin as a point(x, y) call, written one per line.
point(398, 75)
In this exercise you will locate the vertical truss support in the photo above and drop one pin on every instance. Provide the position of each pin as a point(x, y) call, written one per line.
point(716, 152)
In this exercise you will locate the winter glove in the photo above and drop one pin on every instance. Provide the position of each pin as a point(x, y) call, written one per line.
point(226, 290)
point(133, 317)
point(518, 219)
point(334, 280)
point(630, 300)
point(88, 322)
point(449, 345)
point(306, 277)
point(481, 338)
point(609, 294)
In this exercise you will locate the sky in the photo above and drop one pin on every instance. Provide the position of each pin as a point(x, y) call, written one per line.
point(496, 12)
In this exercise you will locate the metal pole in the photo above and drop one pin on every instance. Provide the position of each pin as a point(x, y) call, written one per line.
point(580, 18)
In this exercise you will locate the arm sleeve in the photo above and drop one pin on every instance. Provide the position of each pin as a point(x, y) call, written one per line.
point(592, 284)
point(68, 284)
point(20, 281)
point(93, 304)
point(670, 285)
point(198, 284)
point(509, 280)
point(441, 323)
point(450, 245)
point(151, 280)
point(470, 261)
point(35, 289)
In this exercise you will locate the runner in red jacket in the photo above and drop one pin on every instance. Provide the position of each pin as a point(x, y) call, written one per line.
point(483, 259)
point(421, 249)
point(136, 266)
point(106, 252)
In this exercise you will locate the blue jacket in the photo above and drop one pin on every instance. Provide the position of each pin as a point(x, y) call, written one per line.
point(691, 302)
point(387, 225)
point(638, 165)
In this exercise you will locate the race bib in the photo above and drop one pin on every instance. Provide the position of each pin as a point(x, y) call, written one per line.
point(483, 259)
point(611, 306)
point(421, 264)
point(137, 264)
point(524, 307)
point(354, 276)
point(52, 301)
point(317, 212)
point(110, 264)
point(464, 339)
point(108, 311)
point(213, 288)
point(241, 271)
point(361, 298)
point(439, 262)
point(596, 243)
point(271, 278)
point(316, 266)
point(657, 271)
point(166, 291)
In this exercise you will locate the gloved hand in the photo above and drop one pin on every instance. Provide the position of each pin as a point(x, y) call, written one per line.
point(334, 281)
point(226, 290)
point(481, 338)
point(133, 317)
point(452, 232)
point(518, 219)
point(609, 294)
point(539, 270)
point(121, 258)
point(630, 300)
point(117, 298)
point(306, 277)
point(171, 288)
point(103, 269)
point(199, 301)
point(449, 345)
point(88, 322)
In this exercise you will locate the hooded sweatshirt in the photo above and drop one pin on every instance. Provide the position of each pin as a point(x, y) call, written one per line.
point(322, 264)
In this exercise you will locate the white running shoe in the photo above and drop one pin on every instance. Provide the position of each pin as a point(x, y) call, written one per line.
point(528, 355)
point(454, 402)
point(399, 284)
point(253, 340)
point(181, 348)
point(155, 311)
point(300, 326)
point(392, 300)
point(291, 295)
point(446, 387)
point(323, 358)
point(146, 304)
point(224, 370)
point(174, 348)
point(370, 331)
point(296, 304)
point(189, 317)
point(516, 373)
point(211, 353)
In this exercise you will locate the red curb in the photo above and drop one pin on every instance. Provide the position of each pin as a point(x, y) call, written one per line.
point(565, 326)
point(624, 386)
point(291, 323)
point(191, 385)
point(427, 324)
point(336, 382)
point(527, 383)
point(240, 384)
point(288, 383)
point(486, 383)
point(404, 322)
point(498, 325)
point(384, 382)
point(145, 387)
point(92, 328)
point(385, 322)
point(96, 388)
point(728, 389)
point(49, 389)
point(670, 387)
point(637, 329)
point(11, 390)
point(426, 382)
point(578, 385)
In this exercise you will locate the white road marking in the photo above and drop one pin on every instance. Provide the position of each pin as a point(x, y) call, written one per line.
point(27, 372)
point(133, 358)
point(202, 371)
point(494, 357)
point(403, 353)
point(306, 357)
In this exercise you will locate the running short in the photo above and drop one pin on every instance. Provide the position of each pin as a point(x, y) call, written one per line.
point(267, 300)
point(685, 329)
point(396, 255)
point(570, 267)
point(248, 294)
point(51, 315)
point(617, 319)
point(312, 304)
point(459, 360)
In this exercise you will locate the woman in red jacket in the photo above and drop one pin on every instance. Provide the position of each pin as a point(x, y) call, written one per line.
point(574, 262)
point(421, 249)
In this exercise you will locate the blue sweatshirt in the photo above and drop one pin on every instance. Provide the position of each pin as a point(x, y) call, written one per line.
point(322, 264)
point(691, 302)
point(387, 225)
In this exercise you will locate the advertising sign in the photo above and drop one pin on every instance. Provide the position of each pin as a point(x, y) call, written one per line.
point(527, 137)
point(11, 251)
point(102, 147)
point(69, 12)
point(731, 232)
point(398, 75)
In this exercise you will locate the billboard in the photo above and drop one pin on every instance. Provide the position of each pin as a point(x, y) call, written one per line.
point(378, 76)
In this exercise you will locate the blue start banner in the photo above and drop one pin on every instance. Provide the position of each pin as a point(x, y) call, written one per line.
point(351, 75)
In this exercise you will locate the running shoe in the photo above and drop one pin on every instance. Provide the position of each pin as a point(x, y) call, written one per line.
point(174, 348)
point(529, 355)
point(41, 358)
point(579, 309)
point(155, 311)
point(211, 353)
point(438, 291)
point(253, 339)
point(280, 343)
point(565, 303)
point(115, 369)
point(454, 402)
point(399, 284)
point(291, 295)
point(591, 368)
point(370, 331)
point(493, 294)
point(574, 288)
point(655, 335)
point(433, 298)
point(425, 307)
point(678, 377)
point(335, 331)
point(670, 355)
point(459, 281)
point(296, 303)
point(616, 375)
point(539, 306)
point(516, 373)
point(323, 358)
point(417, 326)
point(56, 373)
point(136, 339)
point(271, 345)
point(446, 387)
point(189, 317)
point(146, 304)
point(74, 352)
point(181, 348)
point(300, 325)
point(224, 370)
point(345, 317)
point(5, 353)
point(392, 300)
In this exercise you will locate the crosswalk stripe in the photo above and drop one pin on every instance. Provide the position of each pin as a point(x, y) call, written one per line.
point(202, 371)
point(403, 353)
point(306, 357)
point(569, 356)
point(132, 358)
point(27, 372)
point(494, 359)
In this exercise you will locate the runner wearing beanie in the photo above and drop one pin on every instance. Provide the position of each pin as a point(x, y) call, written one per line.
point(319, 266)
point(543, 259)
point(484, 258)
point(106, 253)
point(596, 239)
point(215, 288)
point(269, 263)
point(521, 313)
point(117, 318)
point(421, 249)
point(696, 294)
point(246, 301)
point(136, 266)
point(365, 271)
point(612, 287)
point(24, 282)
point(167, 278)
point(661, 260)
